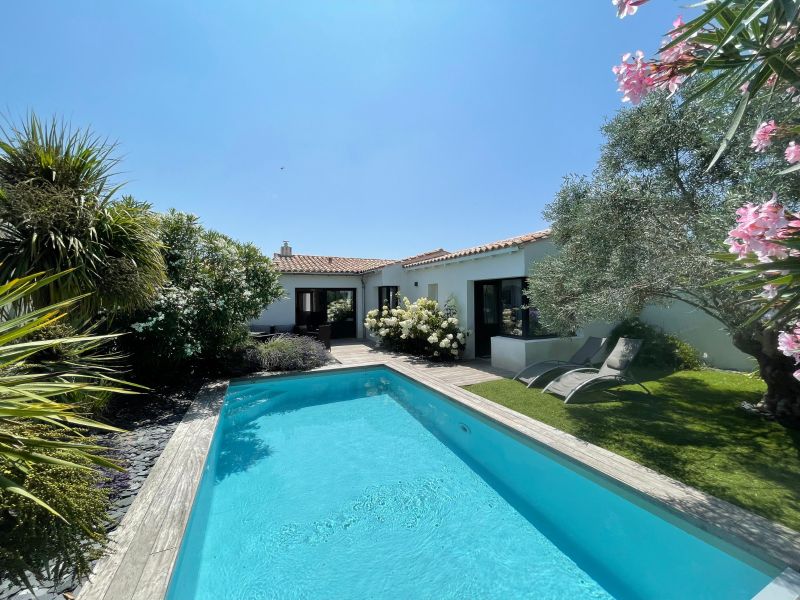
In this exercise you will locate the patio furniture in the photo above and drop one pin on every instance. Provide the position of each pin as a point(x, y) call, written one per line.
point(582, 358)
point(324, 335)
point(615, 370)
point(260, 332)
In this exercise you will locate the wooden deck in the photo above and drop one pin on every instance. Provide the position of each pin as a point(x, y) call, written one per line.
point(459, 373)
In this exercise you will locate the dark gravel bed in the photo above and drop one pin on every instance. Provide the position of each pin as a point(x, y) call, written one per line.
point(149, 422)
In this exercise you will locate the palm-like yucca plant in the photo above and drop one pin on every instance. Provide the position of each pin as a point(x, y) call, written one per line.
point(54, 152)
point(110, 249)
point(58, 213)
point(34, 392)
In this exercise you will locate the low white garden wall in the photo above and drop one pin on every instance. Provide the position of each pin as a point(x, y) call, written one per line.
point(513, 354)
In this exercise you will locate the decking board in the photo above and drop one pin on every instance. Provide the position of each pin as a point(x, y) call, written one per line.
point(457, 373)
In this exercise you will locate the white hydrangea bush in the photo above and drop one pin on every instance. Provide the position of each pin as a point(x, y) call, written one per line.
point(419, 327)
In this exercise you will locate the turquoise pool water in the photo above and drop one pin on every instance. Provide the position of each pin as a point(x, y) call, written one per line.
point(365, 484)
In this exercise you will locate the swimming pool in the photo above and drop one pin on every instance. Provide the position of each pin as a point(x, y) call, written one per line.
point(366, 484)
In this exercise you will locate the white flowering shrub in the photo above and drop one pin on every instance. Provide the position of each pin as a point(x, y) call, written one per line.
point(420, 327)
point(216, 287)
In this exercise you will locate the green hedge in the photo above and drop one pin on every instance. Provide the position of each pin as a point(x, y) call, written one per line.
point(660, 349)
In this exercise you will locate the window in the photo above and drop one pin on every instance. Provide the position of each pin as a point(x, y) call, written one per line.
point(512, 307)
point(308, 301)
point(332, 306)
point(387, 296)
point(433, 291)
point(503, 309)
point(518, 317)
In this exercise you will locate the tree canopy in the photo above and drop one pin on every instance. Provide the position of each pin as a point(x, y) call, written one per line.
point(642, 227)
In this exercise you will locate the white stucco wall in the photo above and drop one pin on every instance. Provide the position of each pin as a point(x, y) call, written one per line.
point(701, 331)
point(456, 277)
point(282, 311)
point(515, 354)
point(388, 275)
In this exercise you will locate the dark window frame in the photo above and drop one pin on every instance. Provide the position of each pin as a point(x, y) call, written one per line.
point(313, 319)
point(526, 333)
point(388, 295)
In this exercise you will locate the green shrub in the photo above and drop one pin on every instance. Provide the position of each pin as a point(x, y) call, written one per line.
point(289, 353)
point(36, 542)
point(216, 287)
point(660, 349)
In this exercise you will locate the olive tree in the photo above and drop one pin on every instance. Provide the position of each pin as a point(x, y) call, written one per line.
point(644, 226)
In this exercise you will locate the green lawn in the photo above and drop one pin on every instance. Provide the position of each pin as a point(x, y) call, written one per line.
point(690, 428)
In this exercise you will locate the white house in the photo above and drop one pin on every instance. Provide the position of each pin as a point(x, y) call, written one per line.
point(486, 282)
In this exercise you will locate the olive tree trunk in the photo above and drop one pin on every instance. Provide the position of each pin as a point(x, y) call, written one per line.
point(782, 398)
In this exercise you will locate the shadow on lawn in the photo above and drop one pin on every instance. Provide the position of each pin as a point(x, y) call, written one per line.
point(685, 424)
point(691, 428)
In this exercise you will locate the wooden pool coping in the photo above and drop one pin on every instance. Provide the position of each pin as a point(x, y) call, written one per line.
point(145, 545)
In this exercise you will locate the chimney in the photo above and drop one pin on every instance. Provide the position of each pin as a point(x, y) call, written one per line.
point(286, 249)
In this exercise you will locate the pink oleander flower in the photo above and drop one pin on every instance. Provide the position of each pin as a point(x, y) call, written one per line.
point(676, 52)
point(762, 138)
point(792, 153)
point(665, 71)
point(758, 227)
point(789, 343)
point(744, 87)
point(627, 7)
point(666, 76)
point(770, 291)
point(634, 77)
point(638, 77)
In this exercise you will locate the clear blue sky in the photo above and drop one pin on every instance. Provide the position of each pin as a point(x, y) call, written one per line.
point(349, 127)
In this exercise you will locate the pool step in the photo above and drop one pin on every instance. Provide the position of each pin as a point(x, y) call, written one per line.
point(785, 586)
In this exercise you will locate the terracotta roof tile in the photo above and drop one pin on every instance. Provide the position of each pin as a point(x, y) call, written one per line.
point(415, 258)
point(425, 256)
point(498, 245)
point(307, 263)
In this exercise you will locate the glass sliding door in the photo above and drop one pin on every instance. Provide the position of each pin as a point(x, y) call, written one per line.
point(487, 315)
point(333, 306)
point(512, 309)
point(501, 308)
point(340, 309)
